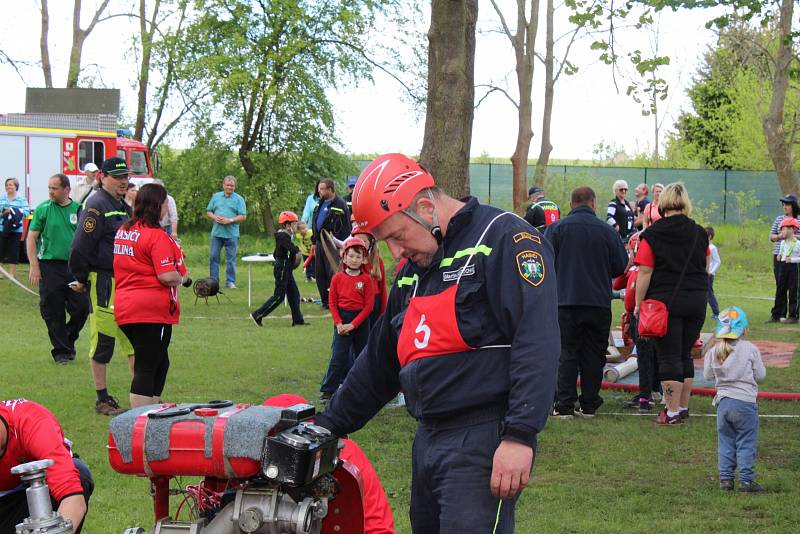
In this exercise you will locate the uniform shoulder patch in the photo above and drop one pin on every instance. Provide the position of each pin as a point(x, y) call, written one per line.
point(531, 267)
point(93, 210)
point(527, 235)
point(89, 224)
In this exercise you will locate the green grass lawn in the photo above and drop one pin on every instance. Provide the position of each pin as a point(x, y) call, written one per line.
point(609, 474)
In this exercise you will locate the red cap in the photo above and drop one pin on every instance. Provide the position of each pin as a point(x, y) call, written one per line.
point(387, 186)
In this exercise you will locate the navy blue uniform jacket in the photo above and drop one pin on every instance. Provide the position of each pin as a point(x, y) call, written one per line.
point(509, 298)
point(93, 243)
point(589, 253)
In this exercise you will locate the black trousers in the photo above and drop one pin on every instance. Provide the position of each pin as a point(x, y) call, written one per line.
point(646, 360)
point(56, 300)
point(584, 341)
point(323, 272)
point(151, 346)
point(285, 287)
point(14, 506)
point(344, 351)
point(674, 351)
point(786, 290)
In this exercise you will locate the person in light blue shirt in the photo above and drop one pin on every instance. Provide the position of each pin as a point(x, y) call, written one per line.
point(227, 209)
point(13, 210)
point(311, 203)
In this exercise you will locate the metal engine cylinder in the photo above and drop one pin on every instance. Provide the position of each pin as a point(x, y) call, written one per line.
point(43, 519)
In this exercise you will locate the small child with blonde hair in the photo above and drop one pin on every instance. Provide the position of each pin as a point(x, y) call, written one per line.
point(735, 364)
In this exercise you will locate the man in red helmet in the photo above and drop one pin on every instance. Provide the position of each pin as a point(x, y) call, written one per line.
point(470, 335)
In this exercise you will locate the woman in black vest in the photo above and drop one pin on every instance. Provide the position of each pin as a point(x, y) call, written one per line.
point(671, 245)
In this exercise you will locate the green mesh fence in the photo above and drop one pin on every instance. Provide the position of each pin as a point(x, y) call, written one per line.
point(718, 196)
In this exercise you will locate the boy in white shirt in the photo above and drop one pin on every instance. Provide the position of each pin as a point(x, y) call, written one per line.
point(713, 264)
point(789, 267)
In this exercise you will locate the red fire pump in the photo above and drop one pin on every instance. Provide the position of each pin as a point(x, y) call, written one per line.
point(266, 470)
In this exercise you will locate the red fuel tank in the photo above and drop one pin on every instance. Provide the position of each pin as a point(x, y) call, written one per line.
point(169, 440)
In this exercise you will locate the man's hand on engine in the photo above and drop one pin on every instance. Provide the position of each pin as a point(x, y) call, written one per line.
point(511, 469)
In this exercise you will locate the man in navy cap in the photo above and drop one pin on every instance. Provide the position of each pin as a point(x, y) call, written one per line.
point(542, 212)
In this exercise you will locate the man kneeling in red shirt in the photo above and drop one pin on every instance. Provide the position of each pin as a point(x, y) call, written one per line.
point(28, 432)
point(377, 512)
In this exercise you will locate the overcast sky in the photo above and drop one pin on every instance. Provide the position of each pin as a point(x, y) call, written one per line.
point(374, 118)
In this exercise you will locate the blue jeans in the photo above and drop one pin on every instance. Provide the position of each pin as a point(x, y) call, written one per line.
point(230, 244)
point(737, 438)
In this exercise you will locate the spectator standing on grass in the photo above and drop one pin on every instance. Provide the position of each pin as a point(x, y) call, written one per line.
point(714, 262)
point(227, 209)
point(87, 185)
point(790, 209)
point(330, 218)
point(352, 297)
point(286, 259)
point(542, 212)
point(789, 259)
point(305, 241)
point(672, 260)
point(169, 222)
point(588, 255)
point(148, 268)
point(13, 210)
point(91, 261)
point(651, 213)
point(311, 203)
point(29, 432)
point(619, 213)
point(735, 365)
point(645, 349)
point(642, 201)
point(49, 238)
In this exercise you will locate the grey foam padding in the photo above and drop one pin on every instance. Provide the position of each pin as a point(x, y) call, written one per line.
point(245, 431)
point(243, 438)
point(121, 428)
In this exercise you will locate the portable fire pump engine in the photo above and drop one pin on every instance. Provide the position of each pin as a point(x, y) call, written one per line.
point(266, 469)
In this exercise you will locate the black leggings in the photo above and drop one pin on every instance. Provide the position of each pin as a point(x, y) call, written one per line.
point(150, 344)
point(674, 351)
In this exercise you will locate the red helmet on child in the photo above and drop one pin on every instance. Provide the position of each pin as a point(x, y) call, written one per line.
point(790, 222)
point(287, 216)
point(387, 186)
point(351, 242)
point(633, 241)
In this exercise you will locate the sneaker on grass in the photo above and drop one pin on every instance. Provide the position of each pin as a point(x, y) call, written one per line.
point(108, 406)
point(726, 485)
point(580, 413)
point(751, 487)
point(665, 420)
point(563, 415)
point(256, 320)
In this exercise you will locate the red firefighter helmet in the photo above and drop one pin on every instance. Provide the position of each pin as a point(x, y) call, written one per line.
point(387, 186)
point(351, 242)
point(287, 216)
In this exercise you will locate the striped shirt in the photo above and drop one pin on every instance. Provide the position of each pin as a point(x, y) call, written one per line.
point(776, 229)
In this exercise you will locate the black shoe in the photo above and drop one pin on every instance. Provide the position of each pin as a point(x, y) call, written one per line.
point(61, 359)
point(726, 485)
point(301, 324)
point(751, 487)
point(71, 356)
point(256, 320)
point(581, 413)
point(645, 406)
point(791, 320)
point(772, 320)
point(558, 414)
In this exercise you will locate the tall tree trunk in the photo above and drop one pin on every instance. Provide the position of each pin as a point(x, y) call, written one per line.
point(44, 48)
point(549, 89)
point(451, 94)
point(146, 36)
point(524, 42)
point(779, 147)
point(78, 38)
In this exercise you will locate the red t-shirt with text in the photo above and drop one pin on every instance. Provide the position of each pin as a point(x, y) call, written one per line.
point(141, 253)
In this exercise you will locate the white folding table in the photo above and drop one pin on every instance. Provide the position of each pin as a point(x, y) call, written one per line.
point(250, 260)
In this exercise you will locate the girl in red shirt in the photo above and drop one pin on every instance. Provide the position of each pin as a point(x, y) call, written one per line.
point(351, 298)
point(148, 267)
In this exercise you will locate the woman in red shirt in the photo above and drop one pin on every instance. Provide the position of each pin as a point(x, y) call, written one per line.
point(148, 267)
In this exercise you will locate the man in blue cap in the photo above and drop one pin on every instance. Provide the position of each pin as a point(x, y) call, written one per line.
point(351, 184)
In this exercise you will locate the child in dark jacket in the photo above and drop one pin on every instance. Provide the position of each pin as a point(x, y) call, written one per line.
point(351, 298)
point(286, 259)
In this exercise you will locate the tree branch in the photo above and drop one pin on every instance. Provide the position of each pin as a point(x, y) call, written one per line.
point(506, 30)
point(492, 89)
